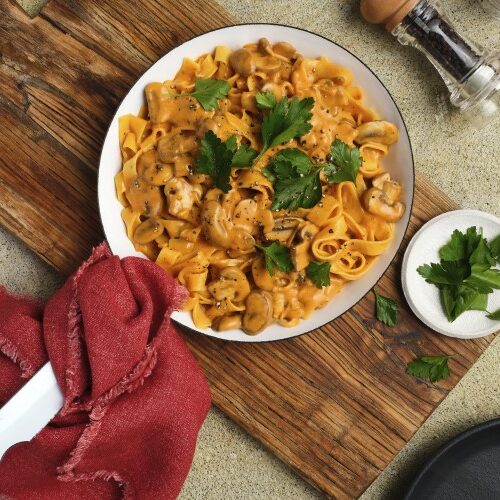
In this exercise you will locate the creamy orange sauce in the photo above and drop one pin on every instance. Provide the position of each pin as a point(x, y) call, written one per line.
point(208, 239)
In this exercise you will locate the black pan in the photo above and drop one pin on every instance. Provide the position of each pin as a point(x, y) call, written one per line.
point(466, 468)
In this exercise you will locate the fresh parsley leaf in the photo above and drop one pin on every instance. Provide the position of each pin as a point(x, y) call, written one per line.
point(461, 245)
point(295, 193)
point(285, 121)
point(483, 279)
point(482, 254)
point(319, 273)
point(207, 92)
point(345, 163)
point(472, 237)
point(432, 368)
point(445, 273)
point(455, 249)
point(495, 248)
point(494, 315)
point(232, 144)
point(465, 275)
point(386, 309)
point(296, 182)
point(290, 162)
point(277, 255)
point(243, 156)
point(216, 158)
point(461, 298)
point(265, 100)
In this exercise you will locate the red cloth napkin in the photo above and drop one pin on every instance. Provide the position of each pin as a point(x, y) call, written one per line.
point(135, 398)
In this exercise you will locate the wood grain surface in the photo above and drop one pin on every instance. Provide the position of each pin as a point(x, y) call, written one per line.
point(336, 403)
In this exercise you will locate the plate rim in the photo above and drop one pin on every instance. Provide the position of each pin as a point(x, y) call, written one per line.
point(443, 449)
point(254, 339)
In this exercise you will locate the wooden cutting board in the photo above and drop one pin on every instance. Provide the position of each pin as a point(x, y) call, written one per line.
point(335, 404)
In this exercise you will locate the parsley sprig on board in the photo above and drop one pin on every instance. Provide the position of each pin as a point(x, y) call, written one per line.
point(386, 309)
point(465, 274)
point(208, 92)
point(432, 368)
point(217, 158)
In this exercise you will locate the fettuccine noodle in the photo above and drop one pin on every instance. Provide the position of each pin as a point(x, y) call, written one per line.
point(206, 238)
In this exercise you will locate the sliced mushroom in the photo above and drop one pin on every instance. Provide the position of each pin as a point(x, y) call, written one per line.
point(379, 181)
point(241, 241)
point(180, 197)
point(214, 222)
point(220, 231)
point(378, 203)
point(281, 50)
point(231, 283)
point(148, 231)
point(242, 62)
point(267, 63)
point(172, 146)
point(261, 276)
point(250, 215)
point(258, 312)
point(378, 131)
point(145, 198)
point(285, 50)
point(228, 322)
point(299, 252)
point(264, 45)
point(284, 229)
point(159, 174)
point(392, 189)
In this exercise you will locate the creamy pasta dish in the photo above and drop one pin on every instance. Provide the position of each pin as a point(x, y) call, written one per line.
point(254, 176)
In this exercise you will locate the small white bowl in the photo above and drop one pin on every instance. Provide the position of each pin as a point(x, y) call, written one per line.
point(423, 297)
point(399, 162)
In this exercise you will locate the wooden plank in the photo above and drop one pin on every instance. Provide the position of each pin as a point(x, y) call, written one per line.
point(336, 403)
point(61, 78)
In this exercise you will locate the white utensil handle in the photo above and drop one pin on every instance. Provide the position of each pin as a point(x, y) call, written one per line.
point(30, 409)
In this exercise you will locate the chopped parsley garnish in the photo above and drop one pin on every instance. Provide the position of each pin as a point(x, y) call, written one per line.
point(286, 120)
point(432, 368)
point(345, 163)
point(207, 92)
point(265, 100)
point(216, 158)
point(386, 309)
point(243, 156)
point(465, 274)
point(319, 273)
point(296, 179)
point(277, 255)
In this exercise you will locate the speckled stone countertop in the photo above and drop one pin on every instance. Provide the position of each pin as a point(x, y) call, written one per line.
point(463, 162)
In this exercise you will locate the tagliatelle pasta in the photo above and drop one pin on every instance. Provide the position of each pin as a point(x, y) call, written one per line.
point(212, 240)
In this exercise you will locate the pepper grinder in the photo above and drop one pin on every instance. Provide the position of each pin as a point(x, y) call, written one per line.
point(471, 73)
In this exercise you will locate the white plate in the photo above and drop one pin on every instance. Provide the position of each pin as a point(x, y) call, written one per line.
point(399, 162)
point(423, 297)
